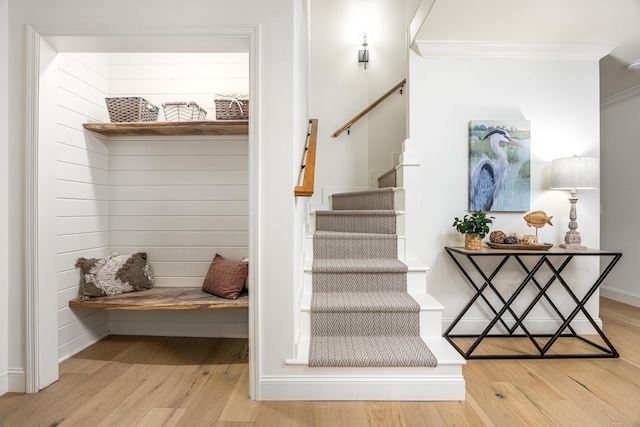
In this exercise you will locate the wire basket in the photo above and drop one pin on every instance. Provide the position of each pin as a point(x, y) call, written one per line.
point(131, 109)
point(183, 111)
point(232, 109)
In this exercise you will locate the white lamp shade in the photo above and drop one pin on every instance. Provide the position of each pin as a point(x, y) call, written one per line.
point(575, 172)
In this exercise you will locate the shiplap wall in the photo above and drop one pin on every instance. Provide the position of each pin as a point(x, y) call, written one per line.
point(82, 168)
point(180, 199)
point(179, 77)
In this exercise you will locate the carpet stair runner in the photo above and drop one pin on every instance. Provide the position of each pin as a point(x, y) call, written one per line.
point(361, 313)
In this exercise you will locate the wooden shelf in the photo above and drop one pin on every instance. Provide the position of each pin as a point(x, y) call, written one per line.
point(210, 127)
point(163, 299)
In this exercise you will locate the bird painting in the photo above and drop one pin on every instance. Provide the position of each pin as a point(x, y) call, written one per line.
point(488, 178)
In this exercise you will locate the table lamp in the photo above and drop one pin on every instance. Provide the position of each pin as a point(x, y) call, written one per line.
point(573, 173)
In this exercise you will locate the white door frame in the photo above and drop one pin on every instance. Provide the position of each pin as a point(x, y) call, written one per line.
point(41, 365)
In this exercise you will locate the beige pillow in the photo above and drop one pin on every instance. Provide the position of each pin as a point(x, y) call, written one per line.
point(225, 277)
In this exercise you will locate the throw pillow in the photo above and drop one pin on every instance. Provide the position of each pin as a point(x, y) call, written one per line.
point(114, 274)
point(225, 277)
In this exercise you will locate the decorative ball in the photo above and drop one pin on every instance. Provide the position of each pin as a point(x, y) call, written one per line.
point(529, 239)
point(497, 236)
point(510, 240)
point(517, 236)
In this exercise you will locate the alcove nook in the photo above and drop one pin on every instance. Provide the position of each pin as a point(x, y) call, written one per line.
point(180, 197)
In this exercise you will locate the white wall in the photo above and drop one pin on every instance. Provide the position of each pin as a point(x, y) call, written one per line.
point(559, 97)
point(620, 153)
point(342, 88)
point(179, 77)
point(301, 207)
point(180, 200)
point(273, 137)
point(4, 184)
point(82, 192)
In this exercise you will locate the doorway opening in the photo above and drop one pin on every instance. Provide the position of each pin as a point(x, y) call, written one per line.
point(105, 190)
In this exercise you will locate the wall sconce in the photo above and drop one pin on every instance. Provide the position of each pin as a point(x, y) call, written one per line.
point(572, 173)
point(363, 54)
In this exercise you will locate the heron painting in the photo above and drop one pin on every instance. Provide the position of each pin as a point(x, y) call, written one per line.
point(499, 165)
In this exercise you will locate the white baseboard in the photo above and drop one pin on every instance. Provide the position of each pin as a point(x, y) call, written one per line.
point(378, 388)
point(4, 382)
point(15, 381)
point(75, 346)
point(620, 296)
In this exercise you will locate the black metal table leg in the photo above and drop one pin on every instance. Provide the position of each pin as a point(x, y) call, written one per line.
point(543, 259)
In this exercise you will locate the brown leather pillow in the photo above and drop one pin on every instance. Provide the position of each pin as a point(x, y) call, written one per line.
point(225, 277)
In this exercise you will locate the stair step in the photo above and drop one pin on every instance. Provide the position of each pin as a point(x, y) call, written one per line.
point(375, 199)
point(329, 269)
point(387, 179)
point(331, 244)
point(337, 302)
point(371, 352)
point(357, 221)
point(430, 315)
point(360, 282)
point(365, 323)
point(358, 265)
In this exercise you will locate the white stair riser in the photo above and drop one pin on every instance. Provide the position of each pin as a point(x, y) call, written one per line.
point(430, 321)
point(399, 222)
point(308, 247)
point(398, 199)
point(416, 282)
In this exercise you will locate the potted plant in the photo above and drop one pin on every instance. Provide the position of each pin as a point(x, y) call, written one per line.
point(474, 226)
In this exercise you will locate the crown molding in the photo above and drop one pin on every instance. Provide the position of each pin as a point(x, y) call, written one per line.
point(622, 96)
point(571, 51)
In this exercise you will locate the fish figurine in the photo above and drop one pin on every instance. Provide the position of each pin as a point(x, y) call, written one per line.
point(538, 219)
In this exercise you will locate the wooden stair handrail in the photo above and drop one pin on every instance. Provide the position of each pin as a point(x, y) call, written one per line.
point(306, 189)
point(373, 105)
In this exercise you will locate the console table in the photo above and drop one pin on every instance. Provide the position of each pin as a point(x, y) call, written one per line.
point(554, 261)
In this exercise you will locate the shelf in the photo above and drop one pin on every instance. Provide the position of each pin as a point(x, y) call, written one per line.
point(210, 127)
point(163, 299)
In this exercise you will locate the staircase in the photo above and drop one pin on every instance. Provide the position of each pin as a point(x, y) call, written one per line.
point(368, 328)
point(361, 312)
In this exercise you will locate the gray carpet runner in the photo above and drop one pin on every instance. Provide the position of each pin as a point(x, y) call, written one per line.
point(361, 313)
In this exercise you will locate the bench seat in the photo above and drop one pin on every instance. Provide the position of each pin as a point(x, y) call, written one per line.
point(163, 299)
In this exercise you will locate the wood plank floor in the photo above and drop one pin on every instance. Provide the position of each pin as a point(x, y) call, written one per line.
point(154, 381)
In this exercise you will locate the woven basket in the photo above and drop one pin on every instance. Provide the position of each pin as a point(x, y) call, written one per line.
point(472, 242)
point(230, 110)
point(183, 111)
point(131, 109)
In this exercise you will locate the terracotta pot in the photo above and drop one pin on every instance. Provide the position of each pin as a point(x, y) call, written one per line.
point(472, 242)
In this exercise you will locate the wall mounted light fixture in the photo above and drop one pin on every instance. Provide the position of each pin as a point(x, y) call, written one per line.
point(363, 54)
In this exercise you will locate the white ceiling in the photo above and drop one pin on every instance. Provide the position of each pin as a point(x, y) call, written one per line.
point(592, 21)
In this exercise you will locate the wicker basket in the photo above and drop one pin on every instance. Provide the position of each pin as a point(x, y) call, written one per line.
point(131, 109)
point(232, 110)
point(183, 111)
point(472, 242)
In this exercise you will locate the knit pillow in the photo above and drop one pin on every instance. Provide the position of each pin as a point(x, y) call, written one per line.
point(114, 274)
point(225, 277)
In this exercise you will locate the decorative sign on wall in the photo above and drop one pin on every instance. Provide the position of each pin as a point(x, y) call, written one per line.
point(499, 165)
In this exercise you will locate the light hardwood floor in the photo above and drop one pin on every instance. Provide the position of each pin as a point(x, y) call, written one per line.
point(151, 381)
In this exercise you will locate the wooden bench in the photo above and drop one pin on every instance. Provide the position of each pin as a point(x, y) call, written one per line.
point(163, 299)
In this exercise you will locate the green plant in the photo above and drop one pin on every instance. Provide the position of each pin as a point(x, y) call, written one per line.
point(476, 223)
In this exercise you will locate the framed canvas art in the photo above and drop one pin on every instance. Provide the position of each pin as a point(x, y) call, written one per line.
point(499, 165)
